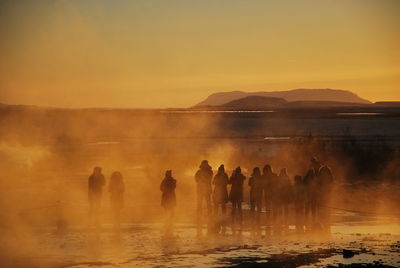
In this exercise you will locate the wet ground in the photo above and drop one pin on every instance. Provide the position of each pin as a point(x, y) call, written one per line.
point(144, 245)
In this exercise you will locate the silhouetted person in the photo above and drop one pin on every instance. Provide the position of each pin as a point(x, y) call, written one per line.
point(116, 188)
point(275, 189)
point(268, 178)
point(203, 179)
point(310, 182)
point(95, 189)
point(220, 194)
point(285, 196)
point(324, 184)
point(299, 194)
point(236, 197)
point(256, 184)
point(168, 198)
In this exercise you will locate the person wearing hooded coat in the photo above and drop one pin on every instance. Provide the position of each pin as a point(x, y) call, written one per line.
point(116, 189)
point(220, 194)
point(203, 179)
point(256, 194)
point(96, 182)
point(168, 198)
point(220, 197)
point(236, 196)
point(167, 187)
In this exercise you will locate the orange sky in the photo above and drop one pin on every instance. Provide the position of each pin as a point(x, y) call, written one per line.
point(157, 53)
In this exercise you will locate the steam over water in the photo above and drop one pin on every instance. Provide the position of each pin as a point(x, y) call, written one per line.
point(48, 155)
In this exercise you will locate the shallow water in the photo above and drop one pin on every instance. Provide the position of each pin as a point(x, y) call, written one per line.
point(144, 245)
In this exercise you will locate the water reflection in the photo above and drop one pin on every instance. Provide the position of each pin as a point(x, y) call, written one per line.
point(360, 113)
point(144, 245)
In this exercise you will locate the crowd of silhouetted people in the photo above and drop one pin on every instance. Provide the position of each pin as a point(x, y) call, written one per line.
point(275, 202)
point(304, 200)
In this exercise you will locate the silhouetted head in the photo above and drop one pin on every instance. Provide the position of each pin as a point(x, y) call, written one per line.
point(283, 172)
point(221, 169)
point(267, 169)
point(298, 180)
point(204, 165)
point(238, 170)
point(256, 171)
point(97, 170)
point(168, 174)
point(116, 175)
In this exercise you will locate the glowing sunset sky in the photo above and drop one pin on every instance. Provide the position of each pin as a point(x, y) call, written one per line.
point(168, 53)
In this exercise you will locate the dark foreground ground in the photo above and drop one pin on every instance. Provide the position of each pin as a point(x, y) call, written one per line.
point(356, 244)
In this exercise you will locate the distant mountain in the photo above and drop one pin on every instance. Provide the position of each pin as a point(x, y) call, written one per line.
point(251, 103)
point(332, 95)
point(323, 104)
point(254, 103)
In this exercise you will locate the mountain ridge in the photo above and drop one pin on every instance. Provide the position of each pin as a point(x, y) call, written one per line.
point(335, 95)
point(252, 103)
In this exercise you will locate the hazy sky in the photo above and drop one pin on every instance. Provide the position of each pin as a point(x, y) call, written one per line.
point(170, 53)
